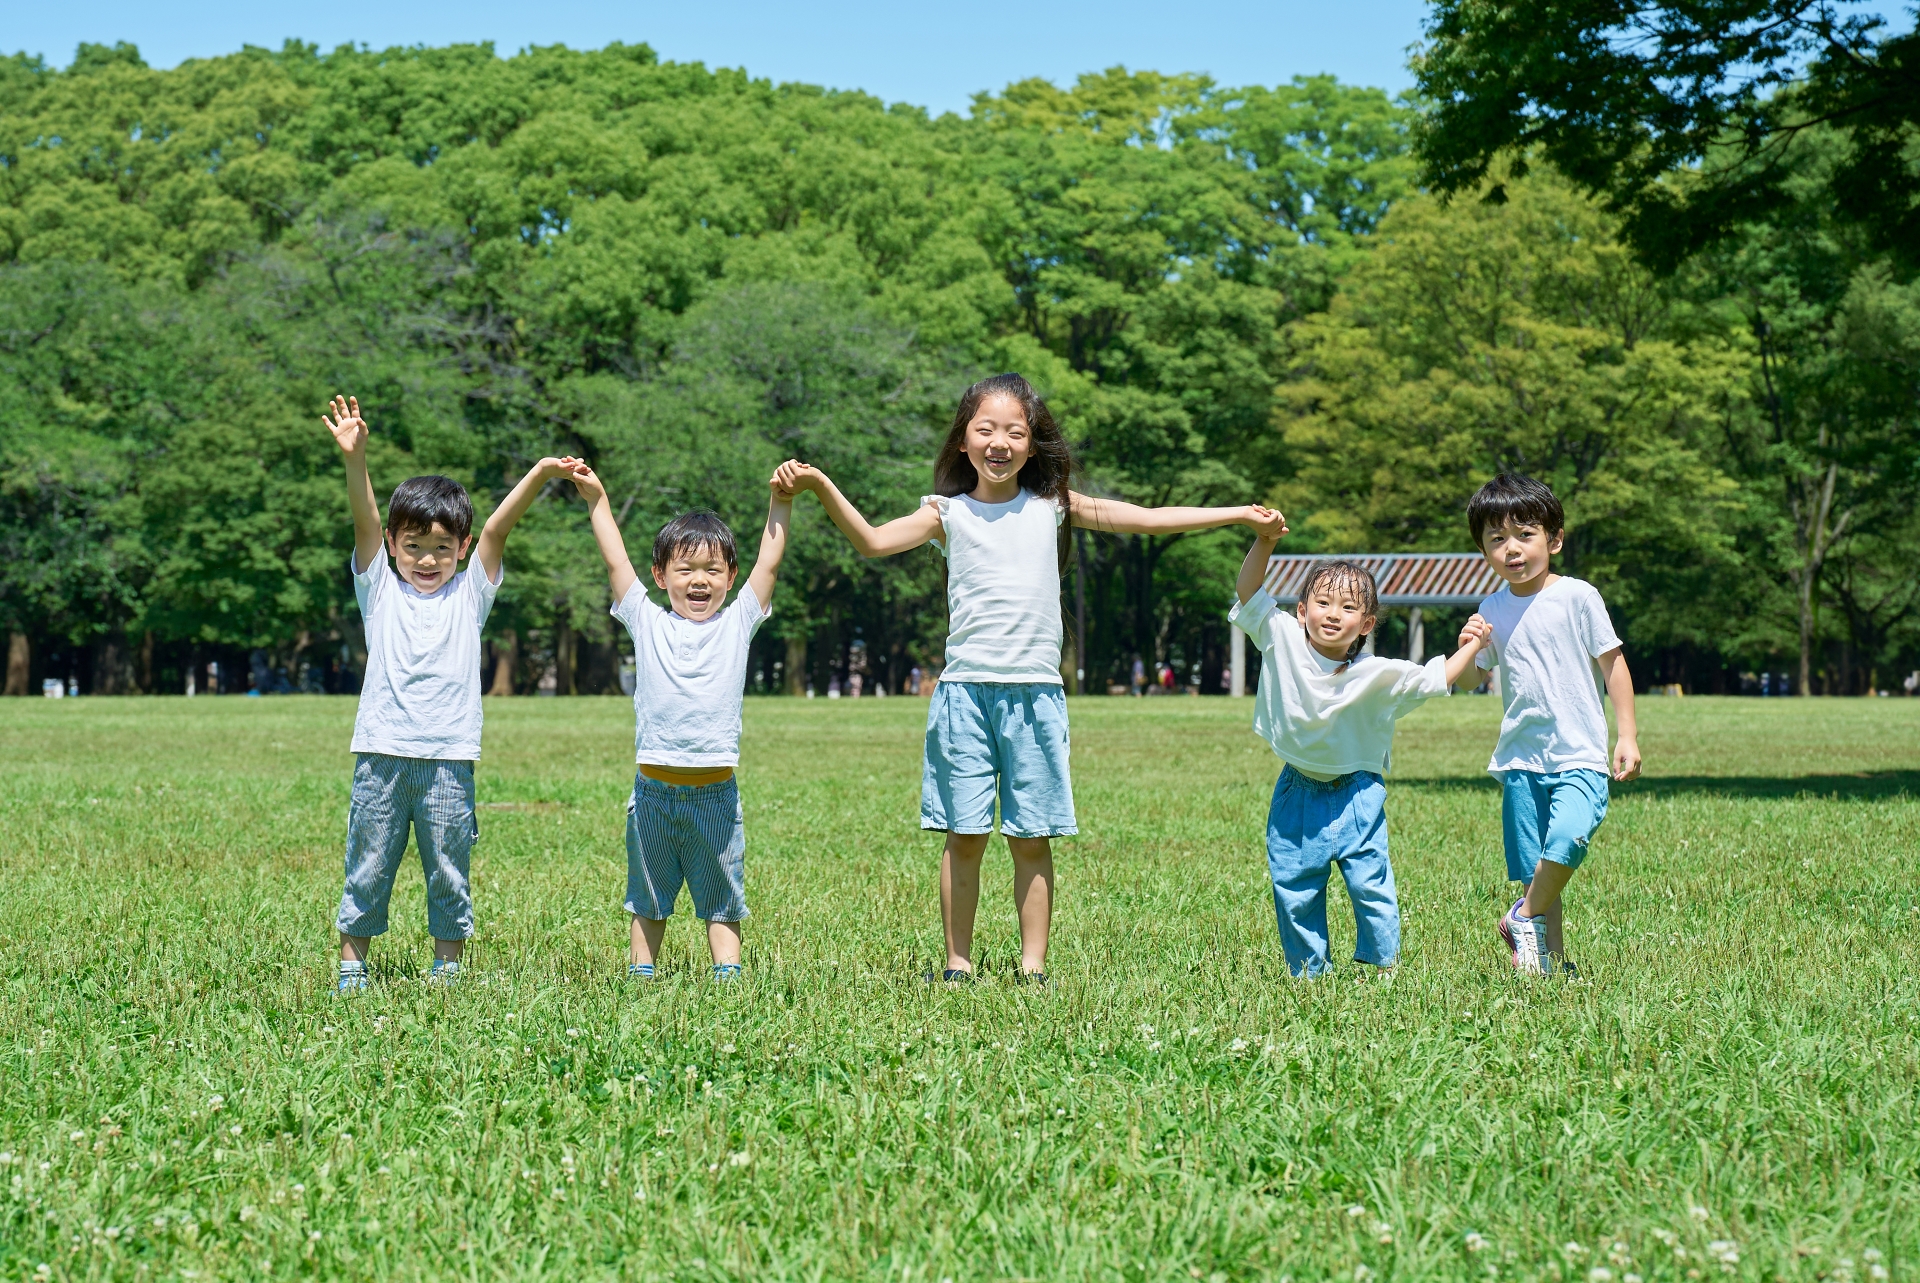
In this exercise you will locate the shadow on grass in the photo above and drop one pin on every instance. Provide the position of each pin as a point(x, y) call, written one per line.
point(1856, 786)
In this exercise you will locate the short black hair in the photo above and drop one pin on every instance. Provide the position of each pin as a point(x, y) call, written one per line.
point(1512, 497)
point(420, 503)
point(694, 530)
point(1349, 575)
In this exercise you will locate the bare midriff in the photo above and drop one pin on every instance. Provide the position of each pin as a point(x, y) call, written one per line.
point(688, 776)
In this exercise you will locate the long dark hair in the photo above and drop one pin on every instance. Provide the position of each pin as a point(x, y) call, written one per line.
point(1048, 471)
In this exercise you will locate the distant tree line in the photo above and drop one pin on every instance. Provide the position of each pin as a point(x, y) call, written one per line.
point(688, 275)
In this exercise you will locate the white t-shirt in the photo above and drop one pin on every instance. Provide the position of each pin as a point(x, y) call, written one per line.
point(1324, 722)
point(1545, 645)
point(688, 679)
point(1003, 588)
point(421, 695)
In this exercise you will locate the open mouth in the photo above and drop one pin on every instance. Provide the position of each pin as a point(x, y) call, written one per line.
point(996, 461)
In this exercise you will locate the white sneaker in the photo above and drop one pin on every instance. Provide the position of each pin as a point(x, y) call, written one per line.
point(1526, 938)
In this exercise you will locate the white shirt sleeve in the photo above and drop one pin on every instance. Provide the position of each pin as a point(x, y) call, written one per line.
point(1418, 684)
point(752, 613)
point(939, 501)
point(371, 584)
point(632, 609)
point(483, 589)
point(1254, 617)
point(1596, 627)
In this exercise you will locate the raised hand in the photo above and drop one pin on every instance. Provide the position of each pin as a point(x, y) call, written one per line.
point(348, 428)
point(1476, 632)
point(550, 468)
point(793, 476)
point(1267, 523)
point(584, 479)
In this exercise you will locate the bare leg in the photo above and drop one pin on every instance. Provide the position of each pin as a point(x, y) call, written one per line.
point(723, 941)
point(960, 895)
point(1033, 897)
point(354, 948)
point(645, 938)
point(1543, 897)
point(448, 950)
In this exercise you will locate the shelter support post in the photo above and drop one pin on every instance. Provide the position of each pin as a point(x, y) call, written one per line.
point(1237, 683)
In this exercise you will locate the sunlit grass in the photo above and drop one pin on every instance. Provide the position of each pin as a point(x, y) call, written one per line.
point(184, 1098)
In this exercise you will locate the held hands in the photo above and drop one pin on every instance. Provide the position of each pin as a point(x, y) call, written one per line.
point(1267, 523)
point(584, 479)
point(1476, 633)
point(348, 428)
point(793, 476)
point(550, 468)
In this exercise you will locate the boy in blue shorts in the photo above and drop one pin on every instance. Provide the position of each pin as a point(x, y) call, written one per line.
point(1557, 655)
point(684, 824)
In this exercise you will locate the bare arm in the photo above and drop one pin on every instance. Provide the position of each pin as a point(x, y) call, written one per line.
point(1626, 743)
point(606, 532)
point(350, 434)
point(1119, 518)
point(773, 546)
point(493, 536)
point(1473, 677)
point(868, 540)
point(1253, 571)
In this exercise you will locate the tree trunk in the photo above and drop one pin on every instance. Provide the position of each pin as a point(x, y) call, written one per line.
point(796, 664)
point(19, 663)
point(563, 648)
point(144, 673)
point(506, 659)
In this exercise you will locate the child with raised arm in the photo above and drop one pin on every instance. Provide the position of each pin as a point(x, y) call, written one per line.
point(1329, 711)
point(684, 823)
point(997, 727)
point(416, 734)
point(1556, 653)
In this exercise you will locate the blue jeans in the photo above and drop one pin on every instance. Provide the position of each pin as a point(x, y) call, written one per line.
point(434, 798)
point(994, 741)
point(1549, 817)
point(1311, 827)
point(691, 834)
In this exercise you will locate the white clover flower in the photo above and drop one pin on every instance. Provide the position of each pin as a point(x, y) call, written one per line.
point(1631, 1278)
point(739, 1159)
point(1476, 1241)
point(1871, 1254)
point(1355, 1212)
point(1600, 1274)
point(573, 1033)
point(1877, 1271)
point(1361, 1274)
point(1573, 1249)
point(1154, 1045)
point(727, 1050)
point(1698, 1213)
point(77, 1137)
point(234, 1130)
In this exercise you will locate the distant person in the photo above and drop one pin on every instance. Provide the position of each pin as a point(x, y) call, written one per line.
point(1139, 682)
point(913, 681)
point(416, 735)
point(997, 724)
point(1555, 654)
point(684, 823)
point(1329, 711)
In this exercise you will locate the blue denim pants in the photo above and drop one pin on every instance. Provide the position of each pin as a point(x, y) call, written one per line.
point(1312, 826)
point(433, 798)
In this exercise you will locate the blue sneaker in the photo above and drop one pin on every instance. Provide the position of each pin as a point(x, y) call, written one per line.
point(444, 973)
point(1526, 939)
point(353, 977)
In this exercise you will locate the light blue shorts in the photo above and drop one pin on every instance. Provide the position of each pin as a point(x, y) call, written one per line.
point(1312, 826)
point(433, 799)
point(691, 834)
point(989, 741)
point(1549, 817)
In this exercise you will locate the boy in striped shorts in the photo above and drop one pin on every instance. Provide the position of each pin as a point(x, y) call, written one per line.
point(416, 734)
point(690, 671)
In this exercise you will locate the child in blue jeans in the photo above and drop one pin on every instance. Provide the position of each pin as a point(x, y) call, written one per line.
point(1329, 711)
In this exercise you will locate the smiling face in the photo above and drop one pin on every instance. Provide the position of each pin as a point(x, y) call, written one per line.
point(1334, 616)
point(998, 443)
point(1520, 552)
point(427, 558)
point(696, 580)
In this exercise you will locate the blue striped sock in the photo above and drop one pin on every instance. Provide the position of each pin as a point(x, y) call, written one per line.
point(639, 971)
point(726, 971)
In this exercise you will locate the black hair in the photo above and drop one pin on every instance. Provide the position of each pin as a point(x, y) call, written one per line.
point(1512, 497)
point(1048, 470)
point(693, 531)
point(421, 503)
point(1352, 576)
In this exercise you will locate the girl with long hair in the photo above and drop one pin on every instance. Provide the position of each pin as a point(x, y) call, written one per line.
point(997, 725)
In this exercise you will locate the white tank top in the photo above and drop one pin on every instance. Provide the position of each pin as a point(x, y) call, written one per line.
point(1003, 588)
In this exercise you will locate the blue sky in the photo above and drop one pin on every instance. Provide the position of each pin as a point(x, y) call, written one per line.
point(936, 55)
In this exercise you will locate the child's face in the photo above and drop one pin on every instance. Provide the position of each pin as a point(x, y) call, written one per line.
point(999, 440)
point(427, 558)
point(1334, 619)
point(696, 582)
point(1519, 552)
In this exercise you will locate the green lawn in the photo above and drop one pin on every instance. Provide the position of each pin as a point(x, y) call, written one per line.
point(184, 1098)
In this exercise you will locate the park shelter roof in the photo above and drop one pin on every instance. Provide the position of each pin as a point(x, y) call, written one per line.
point(1403, 578)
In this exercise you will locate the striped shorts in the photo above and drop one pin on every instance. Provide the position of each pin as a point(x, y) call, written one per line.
point(682, 833)
point(434, 798)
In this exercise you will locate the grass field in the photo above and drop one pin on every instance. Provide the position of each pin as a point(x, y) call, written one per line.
point(1728, 1091)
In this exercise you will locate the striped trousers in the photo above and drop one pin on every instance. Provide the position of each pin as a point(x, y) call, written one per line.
point(681, 833)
